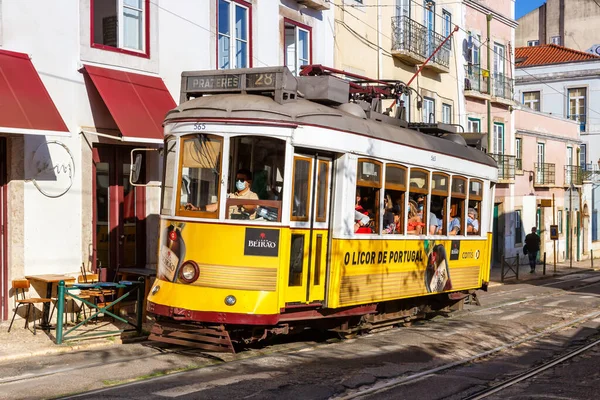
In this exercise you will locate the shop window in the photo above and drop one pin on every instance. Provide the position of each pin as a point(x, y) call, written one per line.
point(438, 219)
point(200, 175)
point(474, 211)
point(418, 191)
point(393, 202)
point(368, 186)
point(121, 25)
point(458, 197)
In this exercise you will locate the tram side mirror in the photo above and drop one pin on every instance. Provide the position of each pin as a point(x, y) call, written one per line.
point(136, 168)
point(138, 174)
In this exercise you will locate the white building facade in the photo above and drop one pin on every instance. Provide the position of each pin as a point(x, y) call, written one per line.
point(83, 84)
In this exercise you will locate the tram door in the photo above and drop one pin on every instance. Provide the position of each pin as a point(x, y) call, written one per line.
point(309, 222)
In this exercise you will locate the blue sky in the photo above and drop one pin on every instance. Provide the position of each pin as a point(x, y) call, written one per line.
point(524, 6)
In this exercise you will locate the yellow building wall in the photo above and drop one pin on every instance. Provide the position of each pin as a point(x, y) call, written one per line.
point(363, 45)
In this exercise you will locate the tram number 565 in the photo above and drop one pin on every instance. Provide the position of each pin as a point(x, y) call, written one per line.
point(199, 126)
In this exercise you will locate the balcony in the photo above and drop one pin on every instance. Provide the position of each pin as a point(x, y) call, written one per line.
point(545, 174)
point(506, 167)
point(573, 174)
point(503, 89)
point(413, 43)
point(579, 118)
point(319, 5)
point(475, 84)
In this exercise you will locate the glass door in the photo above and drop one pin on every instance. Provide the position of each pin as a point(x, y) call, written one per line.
point(430, 26)
point(119, 213)
point(309, 222)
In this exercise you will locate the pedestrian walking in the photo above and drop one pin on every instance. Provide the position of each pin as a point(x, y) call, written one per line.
point(532, 244)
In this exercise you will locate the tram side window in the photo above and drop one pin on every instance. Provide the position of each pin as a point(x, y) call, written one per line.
point(439, 223)
point(368, 187)
point(457, 204)
point(200, 175)
point(256, 173)
point(301, 188)
point(395, 191)
point(417, 213)
point(475, 197)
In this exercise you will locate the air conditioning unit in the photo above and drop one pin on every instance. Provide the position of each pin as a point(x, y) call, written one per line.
point(315, 4)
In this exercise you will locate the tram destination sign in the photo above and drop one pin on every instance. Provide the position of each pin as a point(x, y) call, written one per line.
point(278, 80)
point(211, 83)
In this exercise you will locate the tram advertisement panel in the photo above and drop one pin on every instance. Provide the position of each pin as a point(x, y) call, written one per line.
point(376, 270)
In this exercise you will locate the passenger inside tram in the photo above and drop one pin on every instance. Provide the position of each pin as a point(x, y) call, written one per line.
point(472, 222)
point(415, 224)
point(436, 216)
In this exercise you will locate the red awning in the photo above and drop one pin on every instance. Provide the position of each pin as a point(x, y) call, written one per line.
point(25, 105)
point(137, 103)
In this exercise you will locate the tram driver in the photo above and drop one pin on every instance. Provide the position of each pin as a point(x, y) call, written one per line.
point(243, 182)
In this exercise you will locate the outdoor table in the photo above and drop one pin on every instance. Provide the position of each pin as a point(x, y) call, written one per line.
point(129, 286)
point(49, 279)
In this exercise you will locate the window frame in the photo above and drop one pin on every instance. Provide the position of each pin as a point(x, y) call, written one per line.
point(495, 139)
point(478, 120)
point(297, 25)
point(559, 217)
point(197, 213)
point(145, 31)
point(519, 153)
point(248, 7)
point(309, 188)
point(426, 117)
point(518, 227)
point(463, 199)
point(398, 188)
point(554, 41)
point(446, 107)
point(532, 43)
point(440, 193)
point(318, 187)
point(538, 100)
point(447, 26)
point(479, 200)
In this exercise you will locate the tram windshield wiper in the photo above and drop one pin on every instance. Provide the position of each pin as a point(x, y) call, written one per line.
point(206, 153)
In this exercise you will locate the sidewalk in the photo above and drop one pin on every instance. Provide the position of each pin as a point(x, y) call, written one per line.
point(562, 268)
point(22, 343)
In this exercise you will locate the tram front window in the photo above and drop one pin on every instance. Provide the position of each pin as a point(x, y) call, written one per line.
point(200, 175)
point(261, 161)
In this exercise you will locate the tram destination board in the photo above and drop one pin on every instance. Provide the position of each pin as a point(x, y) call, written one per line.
point(233, 82)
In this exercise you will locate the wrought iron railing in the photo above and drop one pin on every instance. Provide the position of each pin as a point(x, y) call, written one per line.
point(545, 174)
point(579, 118)
point(474, 79)
point(506, 166)
point(573, 174)
point(409, 35)
point(503, 87)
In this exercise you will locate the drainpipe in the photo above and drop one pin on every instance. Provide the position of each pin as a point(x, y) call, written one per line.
point(489, 67)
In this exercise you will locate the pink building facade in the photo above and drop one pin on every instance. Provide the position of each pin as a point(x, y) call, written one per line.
point(548, 184)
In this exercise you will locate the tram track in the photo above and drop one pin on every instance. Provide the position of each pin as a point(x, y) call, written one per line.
point(532, 372)
point(303, 347)
point(388, 384)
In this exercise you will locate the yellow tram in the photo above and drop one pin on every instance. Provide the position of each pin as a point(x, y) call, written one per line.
point(287, 206)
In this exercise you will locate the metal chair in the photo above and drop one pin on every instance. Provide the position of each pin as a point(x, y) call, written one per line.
point(19, 286)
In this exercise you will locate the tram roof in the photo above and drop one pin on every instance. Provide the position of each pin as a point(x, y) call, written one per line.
point(304, 112)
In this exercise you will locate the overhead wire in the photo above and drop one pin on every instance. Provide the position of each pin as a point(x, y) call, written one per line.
point(482, 43)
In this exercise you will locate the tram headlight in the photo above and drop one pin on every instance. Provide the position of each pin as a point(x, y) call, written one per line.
point(230, 300)
point(189, 272)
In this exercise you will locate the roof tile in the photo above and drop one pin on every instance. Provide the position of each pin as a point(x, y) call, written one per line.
point(549, 54)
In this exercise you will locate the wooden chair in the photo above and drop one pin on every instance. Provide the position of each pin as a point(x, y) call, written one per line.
point(19, 286)
point(97, 295)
